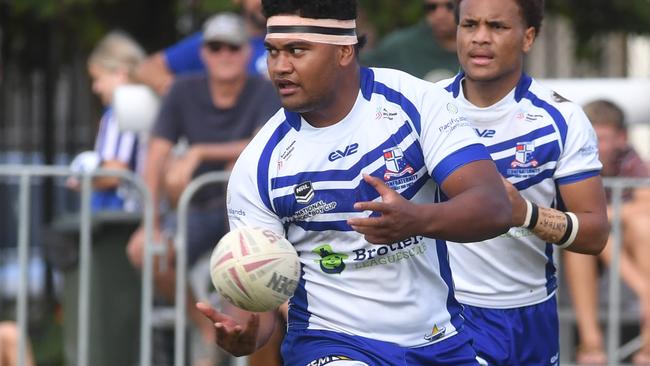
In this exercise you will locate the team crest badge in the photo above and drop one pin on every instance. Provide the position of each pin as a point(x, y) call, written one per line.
point(525, 165)
point(524, 155)
point(396, 165)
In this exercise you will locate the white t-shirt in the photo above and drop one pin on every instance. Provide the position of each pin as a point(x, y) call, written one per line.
point(538, 140)
point(303, 181)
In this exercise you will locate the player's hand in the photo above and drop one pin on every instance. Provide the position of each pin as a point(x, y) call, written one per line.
point(398, 219)
point(232, 337)
point(518, 203)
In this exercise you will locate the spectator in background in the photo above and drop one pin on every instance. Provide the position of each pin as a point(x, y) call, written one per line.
point(111, 64)
point(426, 50)
point(217, 113)
point(184, 57)
point(619, 160)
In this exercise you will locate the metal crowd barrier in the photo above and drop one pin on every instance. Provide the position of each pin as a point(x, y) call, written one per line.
point(180, 243)
point(614, 352)
point(25, 173)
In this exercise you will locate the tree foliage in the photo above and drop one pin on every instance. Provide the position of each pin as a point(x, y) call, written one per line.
point(30, 25)
point(596, 17)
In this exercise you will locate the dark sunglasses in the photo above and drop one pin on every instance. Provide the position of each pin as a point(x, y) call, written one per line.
point(431, 7)
point(218, 46)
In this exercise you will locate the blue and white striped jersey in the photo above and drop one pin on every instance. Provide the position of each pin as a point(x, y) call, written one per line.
point(114, 145)
point(539, 140)
point(303, 181)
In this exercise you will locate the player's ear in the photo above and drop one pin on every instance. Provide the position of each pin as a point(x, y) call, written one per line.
point(529, 39)
point(346, 55)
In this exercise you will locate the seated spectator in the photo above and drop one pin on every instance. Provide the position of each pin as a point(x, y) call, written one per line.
point(184, 57)
point(9, 346)
point(111, 64)
point(217, 113)
point(426, 50)
point(619, 160)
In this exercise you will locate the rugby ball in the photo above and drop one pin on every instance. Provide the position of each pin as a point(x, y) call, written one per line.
point(255, 269)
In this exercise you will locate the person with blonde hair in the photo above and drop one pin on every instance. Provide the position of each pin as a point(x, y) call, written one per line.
point(111, 64)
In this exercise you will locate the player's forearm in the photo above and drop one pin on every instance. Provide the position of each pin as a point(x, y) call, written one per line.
point(477, 214)
point(583, 232)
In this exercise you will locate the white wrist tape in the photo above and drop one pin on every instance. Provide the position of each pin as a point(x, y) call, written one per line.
point(575, 224)
point(529, 213)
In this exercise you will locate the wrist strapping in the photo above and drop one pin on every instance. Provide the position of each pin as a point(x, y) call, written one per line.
point(532, 215)
point(571, 231)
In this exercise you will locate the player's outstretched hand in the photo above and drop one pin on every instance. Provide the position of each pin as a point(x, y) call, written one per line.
point(397, 220)
point(232, 337)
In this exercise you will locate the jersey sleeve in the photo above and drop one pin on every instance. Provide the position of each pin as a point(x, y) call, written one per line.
point(244, 202)
point(579, 158)
point(184, 57)
point(447, 139)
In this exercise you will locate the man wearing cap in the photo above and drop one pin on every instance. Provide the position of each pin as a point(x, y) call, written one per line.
point(216, 113)
point(376, 169)
point(183, 57)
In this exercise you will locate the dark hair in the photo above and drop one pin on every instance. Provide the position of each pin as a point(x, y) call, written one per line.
point(605, 112)
point(316, 9)
point(532, 11)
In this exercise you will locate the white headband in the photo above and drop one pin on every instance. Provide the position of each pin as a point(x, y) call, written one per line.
point(331, 31)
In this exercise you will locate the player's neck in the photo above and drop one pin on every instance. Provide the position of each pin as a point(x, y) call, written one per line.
point(486, 93)
point(340, 104)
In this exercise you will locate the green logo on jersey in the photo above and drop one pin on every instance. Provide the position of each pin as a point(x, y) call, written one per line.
point(330, 262)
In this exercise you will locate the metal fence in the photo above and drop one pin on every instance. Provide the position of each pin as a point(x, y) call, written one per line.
point(25, 174)
point(615, 352)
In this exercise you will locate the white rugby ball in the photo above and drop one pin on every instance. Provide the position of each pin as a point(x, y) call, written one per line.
point(255, 269)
